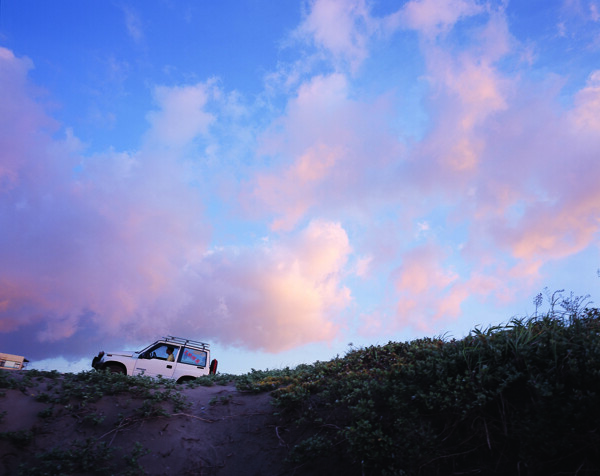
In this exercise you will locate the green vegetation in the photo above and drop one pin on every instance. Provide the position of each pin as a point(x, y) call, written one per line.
point(221, 400)
point(18, 438)
point(82, 389)
point(515, 399)
point(210, 380)
point(90, 457)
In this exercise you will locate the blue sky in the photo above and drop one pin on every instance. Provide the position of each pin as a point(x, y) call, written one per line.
point(281, 179)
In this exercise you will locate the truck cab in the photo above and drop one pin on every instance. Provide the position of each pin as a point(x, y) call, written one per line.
point(171, 357)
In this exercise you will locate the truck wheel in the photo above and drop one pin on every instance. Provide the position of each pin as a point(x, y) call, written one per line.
point(114, 369)
point(185, 379)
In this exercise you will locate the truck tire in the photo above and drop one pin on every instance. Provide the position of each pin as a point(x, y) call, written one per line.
point(114, 368)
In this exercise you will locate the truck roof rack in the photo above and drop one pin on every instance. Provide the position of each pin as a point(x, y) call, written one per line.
point(181, 340)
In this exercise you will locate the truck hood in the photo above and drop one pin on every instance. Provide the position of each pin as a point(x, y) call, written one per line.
point(121, 353)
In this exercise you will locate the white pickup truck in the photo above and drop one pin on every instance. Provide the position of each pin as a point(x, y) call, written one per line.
point(170, 357)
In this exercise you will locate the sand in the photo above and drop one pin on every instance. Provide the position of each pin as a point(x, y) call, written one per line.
point(221, 432)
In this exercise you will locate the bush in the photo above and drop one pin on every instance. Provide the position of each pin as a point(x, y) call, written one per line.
point(514, 399)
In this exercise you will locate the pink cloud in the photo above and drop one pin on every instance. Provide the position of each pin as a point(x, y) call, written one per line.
point(339, 26)
point(585, 116)
point(312, 168)
point(511, 163)
point(467, 93)
point(420, 271)
point(99, 238)
point(431, 293)
point(435, 17)
point(503, 159)
point(115, 244)
point(182, 114)
point(541, 201)
point(422, 283)
point(21, 116)
point(276, 297)
point(373, 324)
point(330, 149)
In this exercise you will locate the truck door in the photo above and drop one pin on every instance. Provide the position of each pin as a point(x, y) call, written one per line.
point(155, 361)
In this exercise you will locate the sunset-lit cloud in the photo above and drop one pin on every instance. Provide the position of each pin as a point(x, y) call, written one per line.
point(435, 17)
point(182, 115)
point(332, 149)
point(127, 244)
point(274, 297)
point(340, 27)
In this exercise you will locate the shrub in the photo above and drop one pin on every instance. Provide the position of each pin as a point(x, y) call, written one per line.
point(89, 457)
point(520, 397)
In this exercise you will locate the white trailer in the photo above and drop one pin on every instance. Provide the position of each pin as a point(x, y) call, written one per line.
point(12, 362)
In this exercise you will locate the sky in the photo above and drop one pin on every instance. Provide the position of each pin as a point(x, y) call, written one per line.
point(289, 180)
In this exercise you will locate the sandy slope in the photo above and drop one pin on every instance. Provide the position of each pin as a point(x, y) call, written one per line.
point(222, 432)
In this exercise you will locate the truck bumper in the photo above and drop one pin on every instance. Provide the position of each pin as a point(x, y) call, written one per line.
point(97, 361)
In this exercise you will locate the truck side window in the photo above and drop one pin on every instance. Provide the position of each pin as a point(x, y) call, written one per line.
point(160, 351)
point(193, 357)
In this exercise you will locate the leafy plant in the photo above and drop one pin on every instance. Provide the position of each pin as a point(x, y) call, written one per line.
point(90, 457)
point(7, 380)
point(19, 438)
point(46, 413)
point(221, 400)
point(521, 395)
point(132, 460)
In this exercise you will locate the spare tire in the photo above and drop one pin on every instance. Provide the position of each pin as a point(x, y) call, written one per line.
point(213, 367)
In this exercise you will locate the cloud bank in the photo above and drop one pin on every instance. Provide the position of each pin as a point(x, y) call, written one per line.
point(119, 241)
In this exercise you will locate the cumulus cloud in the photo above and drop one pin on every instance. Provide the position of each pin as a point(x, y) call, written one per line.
point(182, 115)
point(538, 203)
point(512, 164)
point(99, 237)
point(344, 30)
point(498, 161)
point(275, 297)
point(340, 27)
point(423, 282)
point(586, 113)
point(117, 241)
point(436, 17)
point(22, 117)
point(331, 149)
